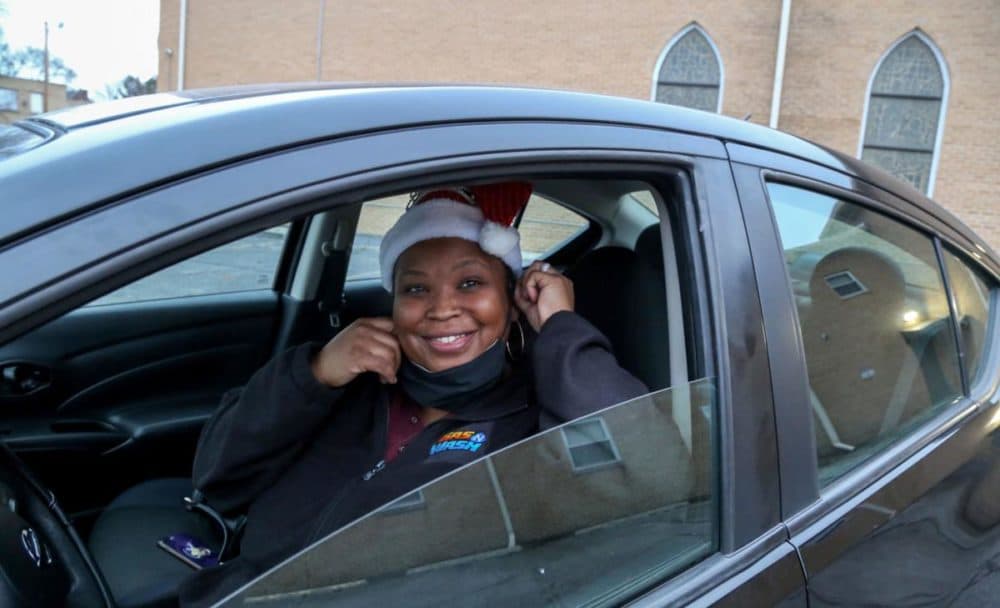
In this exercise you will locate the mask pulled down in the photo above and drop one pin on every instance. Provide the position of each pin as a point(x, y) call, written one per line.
point(454, 388)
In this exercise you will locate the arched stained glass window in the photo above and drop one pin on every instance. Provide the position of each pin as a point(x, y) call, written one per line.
point(689, 72)
point(905, 110)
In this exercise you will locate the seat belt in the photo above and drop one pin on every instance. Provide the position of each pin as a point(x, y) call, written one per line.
point(330, 291)
point(230, 527)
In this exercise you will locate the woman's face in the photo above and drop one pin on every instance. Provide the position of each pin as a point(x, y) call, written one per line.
point(450, 302)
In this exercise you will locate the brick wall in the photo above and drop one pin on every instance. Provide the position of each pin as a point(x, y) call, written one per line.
point(613, 48)
point(832, 51)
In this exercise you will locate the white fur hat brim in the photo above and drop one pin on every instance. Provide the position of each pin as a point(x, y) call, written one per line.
point(443, 218)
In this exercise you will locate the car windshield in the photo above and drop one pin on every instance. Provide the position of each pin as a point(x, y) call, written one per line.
point(15, 140)
point(582, 514)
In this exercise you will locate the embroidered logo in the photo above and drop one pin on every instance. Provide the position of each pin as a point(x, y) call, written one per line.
point(467, 441)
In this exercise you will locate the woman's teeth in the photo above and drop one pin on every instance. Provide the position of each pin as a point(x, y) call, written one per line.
point(449, 339)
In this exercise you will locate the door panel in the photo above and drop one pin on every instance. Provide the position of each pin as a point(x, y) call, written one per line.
point(129, 387)
point(929, 536)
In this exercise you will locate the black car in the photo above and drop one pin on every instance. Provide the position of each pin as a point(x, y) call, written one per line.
point(825, 338)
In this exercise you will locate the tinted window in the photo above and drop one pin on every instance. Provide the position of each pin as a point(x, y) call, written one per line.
point(876, 325)
point(523, 526)
point(244, 265)
point(972, 303)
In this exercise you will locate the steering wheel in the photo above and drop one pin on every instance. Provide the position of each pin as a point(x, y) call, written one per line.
point(43, 562)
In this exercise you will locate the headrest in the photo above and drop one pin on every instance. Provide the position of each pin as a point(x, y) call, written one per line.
point(649, 246)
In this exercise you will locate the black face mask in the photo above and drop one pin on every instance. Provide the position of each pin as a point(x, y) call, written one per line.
point(454, 388)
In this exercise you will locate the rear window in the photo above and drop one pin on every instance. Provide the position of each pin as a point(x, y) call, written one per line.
point(15, 140)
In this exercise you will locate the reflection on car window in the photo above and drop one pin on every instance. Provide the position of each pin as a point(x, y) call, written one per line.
point(15, 140)
point(544, 227)
point(876, 326)
point(524, 523)
point(972, 302)
point(244, 265)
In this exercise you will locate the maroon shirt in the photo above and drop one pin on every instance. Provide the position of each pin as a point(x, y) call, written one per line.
point(404, 424)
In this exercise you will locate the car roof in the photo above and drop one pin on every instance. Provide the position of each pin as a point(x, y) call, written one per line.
point(101, 152)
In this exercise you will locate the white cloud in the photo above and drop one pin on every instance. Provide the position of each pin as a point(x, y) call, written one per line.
point(102, 40)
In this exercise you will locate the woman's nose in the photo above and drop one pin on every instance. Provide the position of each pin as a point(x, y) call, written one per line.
point(444, 304)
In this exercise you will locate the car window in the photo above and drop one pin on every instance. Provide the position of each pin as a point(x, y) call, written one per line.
point(875, 323)
point(15, 140)
point(526, 525)
point(544, 227)
point(376, 217)
point(244, 265)
point(971, 289)
point(646, 199)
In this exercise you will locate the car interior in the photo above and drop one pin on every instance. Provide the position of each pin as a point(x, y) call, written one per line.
point(104, 404)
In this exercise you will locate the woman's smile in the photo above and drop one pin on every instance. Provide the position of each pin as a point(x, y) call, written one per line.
point(453, 343)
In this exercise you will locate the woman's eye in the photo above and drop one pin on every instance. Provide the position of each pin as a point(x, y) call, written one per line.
point(470, 283)
point(413, 289)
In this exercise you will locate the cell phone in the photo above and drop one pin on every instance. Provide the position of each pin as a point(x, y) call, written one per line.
point(189, 550)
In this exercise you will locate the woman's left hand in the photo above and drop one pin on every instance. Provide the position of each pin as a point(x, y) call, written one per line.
point(542, 292)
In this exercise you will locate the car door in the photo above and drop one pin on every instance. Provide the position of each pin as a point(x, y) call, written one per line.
point(117, 390)
point(515, 511)
point(749, 558)
point(889, 371)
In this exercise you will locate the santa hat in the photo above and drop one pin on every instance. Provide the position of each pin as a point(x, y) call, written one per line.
point(481, 214)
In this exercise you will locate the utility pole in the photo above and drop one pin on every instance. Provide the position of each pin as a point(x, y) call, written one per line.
point(45, 96)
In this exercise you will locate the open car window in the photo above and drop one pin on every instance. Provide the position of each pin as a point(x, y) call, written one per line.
point(562, 516)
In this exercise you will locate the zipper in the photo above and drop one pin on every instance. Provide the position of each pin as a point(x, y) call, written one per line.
point(381, 464)
point(378, 468)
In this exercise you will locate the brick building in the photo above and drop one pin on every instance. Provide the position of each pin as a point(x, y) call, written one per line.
point(908, 85)
point(24, 97)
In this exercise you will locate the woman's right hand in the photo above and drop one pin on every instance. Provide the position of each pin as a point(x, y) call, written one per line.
point(367, 345)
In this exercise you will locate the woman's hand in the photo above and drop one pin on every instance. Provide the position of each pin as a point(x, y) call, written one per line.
point(542, 292)
point(367, 345)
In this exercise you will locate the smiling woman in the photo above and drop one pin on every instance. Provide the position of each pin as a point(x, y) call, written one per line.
point(321, 435)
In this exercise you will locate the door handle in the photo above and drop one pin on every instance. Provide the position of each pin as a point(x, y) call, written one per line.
point(20, 379)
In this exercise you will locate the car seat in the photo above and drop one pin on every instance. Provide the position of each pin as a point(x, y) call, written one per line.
point(123, 542)
point(623, 293)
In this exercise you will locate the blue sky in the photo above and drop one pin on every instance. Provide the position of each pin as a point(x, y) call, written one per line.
point(103, 40)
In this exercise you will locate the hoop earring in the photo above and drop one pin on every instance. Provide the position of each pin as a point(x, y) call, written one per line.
point(521, 347)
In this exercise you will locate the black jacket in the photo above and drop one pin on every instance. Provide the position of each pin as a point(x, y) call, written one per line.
point(304, 459)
